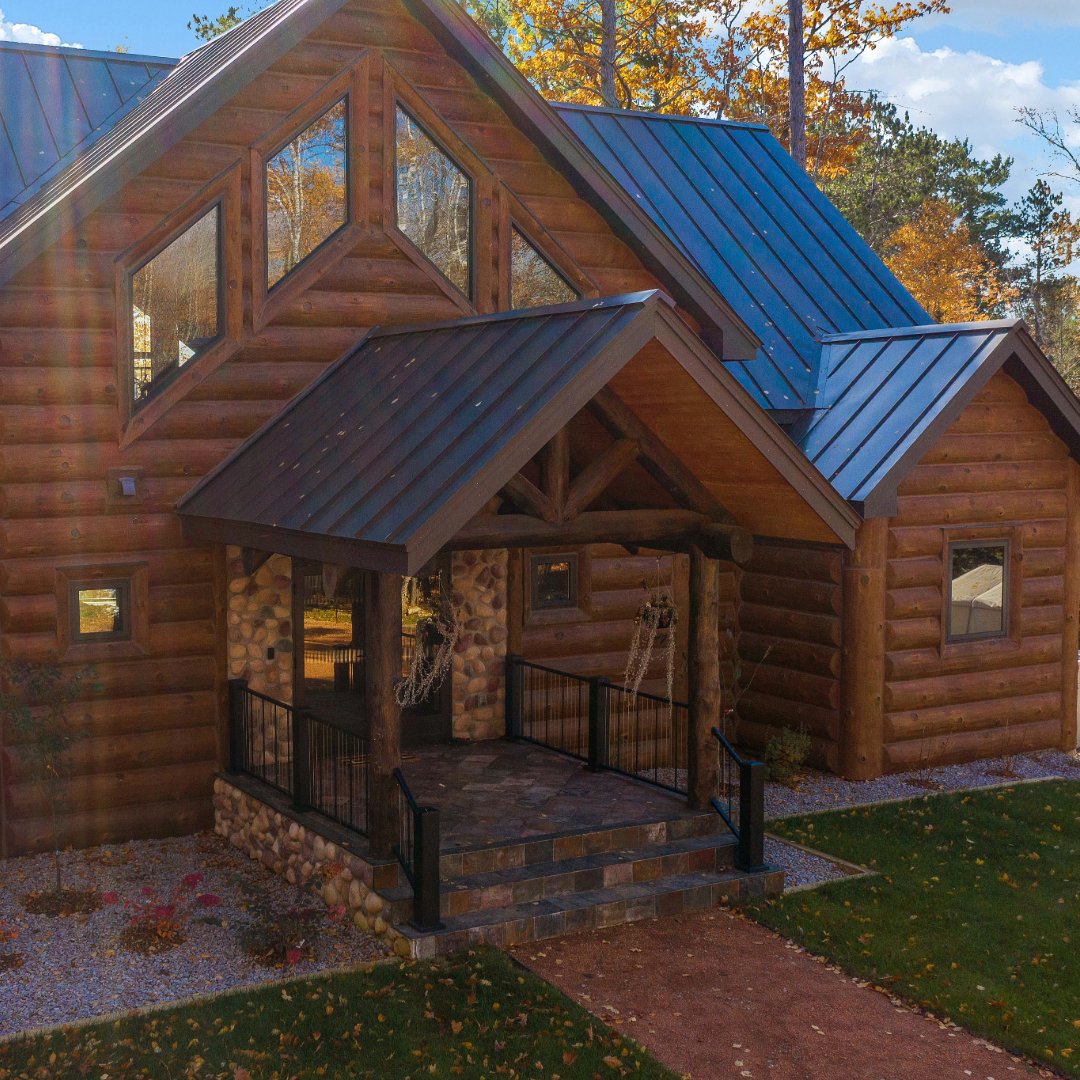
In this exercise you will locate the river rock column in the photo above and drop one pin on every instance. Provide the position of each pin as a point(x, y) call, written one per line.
point(260, 619)
point(478, 593)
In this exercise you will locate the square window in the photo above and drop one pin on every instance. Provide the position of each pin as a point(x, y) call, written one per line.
point(306, 192)
point(176, 305)
point(100, 611)
point(434, 201)
point(978, 590)
point(534, 282)
point(554, 581)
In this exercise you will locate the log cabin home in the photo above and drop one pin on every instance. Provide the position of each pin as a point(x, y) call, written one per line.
point(332, 356)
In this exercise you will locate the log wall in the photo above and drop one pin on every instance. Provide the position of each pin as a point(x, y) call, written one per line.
point(998, 465)
point(154, 721)
point(790, 604)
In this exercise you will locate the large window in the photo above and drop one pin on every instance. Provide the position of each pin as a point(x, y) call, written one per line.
point(306, 192)
point(978, 600)
point(434, 201)
point(176, 305)
point(534, 282)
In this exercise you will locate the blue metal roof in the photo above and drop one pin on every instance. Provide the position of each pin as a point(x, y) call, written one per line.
point(55, 102)
point(886, 396)
point(757, 226)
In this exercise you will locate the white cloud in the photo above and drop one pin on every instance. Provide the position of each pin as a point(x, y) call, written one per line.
point(27, 32)
point(967, 95)
point(990, 15)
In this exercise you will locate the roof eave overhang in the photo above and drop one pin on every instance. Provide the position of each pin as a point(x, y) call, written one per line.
point(1023, 360)
point(46, 227)
point(835, 511)
point(339, 550)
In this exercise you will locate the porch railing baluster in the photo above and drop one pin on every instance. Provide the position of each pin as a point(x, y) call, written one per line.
point(746, 815)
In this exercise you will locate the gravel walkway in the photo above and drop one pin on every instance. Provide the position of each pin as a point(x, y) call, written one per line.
point(823, 791)
point(75, 968)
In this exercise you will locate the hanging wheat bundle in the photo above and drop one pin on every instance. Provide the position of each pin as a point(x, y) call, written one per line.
point(655, 623)
point(433, 653)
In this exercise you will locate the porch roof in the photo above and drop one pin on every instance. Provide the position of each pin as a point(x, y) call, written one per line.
point(384, 459)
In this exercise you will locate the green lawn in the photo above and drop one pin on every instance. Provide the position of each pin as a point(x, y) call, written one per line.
point(473, 1016)
point(975, 914)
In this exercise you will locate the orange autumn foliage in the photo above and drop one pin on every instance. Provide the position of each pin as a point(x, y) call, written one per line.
point(947, 271)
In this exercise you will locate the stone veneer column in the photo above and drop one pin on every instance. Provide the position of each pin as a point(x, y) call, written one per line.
point(260, 618)
point(479, 595)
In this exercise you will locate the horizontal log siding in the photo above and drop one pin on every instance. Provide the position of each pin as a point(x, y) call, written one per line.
point(154, 724)
point(598, 644)
point(789, 618)
point(998, 463)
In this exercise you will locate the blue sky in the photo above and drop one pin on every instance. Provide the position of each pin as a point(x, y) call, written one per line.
point(963, 74)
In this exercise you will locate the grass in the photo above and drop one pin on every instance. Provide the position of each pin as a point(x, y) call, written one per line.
point(973, 915)
point(475, 1015)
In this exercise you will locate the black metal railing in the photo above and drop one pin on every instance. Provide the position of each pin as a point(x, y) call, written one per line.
point(549, 707)
point(260, 736)
point(417, 850)
point(320, 765)
point(590, 718)
point(648, 737)
point(343, 662)
point(741, 802)
point(332, 774)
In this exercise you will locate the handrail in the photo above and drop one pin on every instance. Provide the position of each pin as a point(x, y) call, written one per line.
point(417, 851)
point(748, 822)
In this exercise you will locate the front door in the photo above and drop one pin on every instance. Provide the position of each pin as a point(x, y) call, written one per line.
point(329, 607)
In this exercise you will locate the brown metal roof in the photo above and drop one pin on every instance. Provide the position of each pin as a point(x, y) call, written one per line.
point(389, 453)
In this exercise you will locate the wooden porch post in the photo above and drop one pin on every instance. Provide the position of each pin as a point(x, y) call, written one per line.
point(862, 684)
point(704, 775)
point(382, 666)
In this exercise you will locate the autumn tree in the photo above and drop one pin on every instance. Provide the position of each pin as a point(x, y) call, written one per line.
point(208, 27)
point(721, 57)
point(1049, 237)
point(899, 167)
point(945, 268)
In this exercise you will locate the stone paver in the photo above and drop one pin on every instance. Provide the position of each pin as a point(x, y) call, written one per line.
point(496, 791)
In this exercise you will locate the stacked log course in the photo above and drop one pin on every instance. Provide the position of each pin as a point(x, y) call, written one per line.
point(999, 464)
point(153, 723)
point(790, 606)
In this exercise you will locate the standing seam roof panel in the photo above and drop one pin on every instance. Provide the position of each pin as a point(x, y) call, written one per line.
point(780, 221)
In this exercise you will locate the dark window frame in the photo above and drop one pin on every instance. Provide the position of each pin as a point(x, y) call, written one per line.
point(573, 601)
point(132, 579)
point(541, 254)
point(136, 418)
point(1007, 588)
point(344, 98)
point(122, 586)
point(159, 384)
point(469, 295)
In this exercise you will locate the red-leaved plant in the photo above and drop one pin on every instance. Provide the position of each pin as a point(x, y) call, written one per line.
point(156, 924)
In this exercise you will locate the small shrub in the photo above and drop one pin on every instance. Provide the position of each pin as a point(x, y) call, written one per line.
point(62, 902)
point(155, 924)
point(282, 937)
point(785, 756)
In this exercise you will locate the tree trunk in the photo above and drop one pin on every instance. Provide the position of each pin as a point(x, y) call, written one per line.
point(608, 53)
point(796, 83)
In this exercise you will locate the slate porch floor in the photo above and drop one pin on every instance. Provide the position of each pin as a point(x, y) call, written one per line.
point(498, 791)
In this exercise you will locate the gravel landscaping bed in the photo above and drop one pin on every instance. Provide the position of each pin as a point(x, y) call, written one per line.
point(75, 967)
point(823, 791)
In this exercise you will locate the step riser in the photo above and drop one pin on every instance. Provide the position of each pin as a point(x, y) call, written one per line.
point(554, 849)
point(548, 887)
point(574, 920)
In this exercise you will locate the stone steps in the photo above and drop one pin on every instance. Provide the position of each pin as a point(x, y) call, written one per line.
point(509, 893)
point(579, 911)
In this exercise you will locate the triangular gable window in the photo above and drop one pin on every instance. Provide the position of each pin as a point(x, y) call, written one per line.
point(534, 282)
